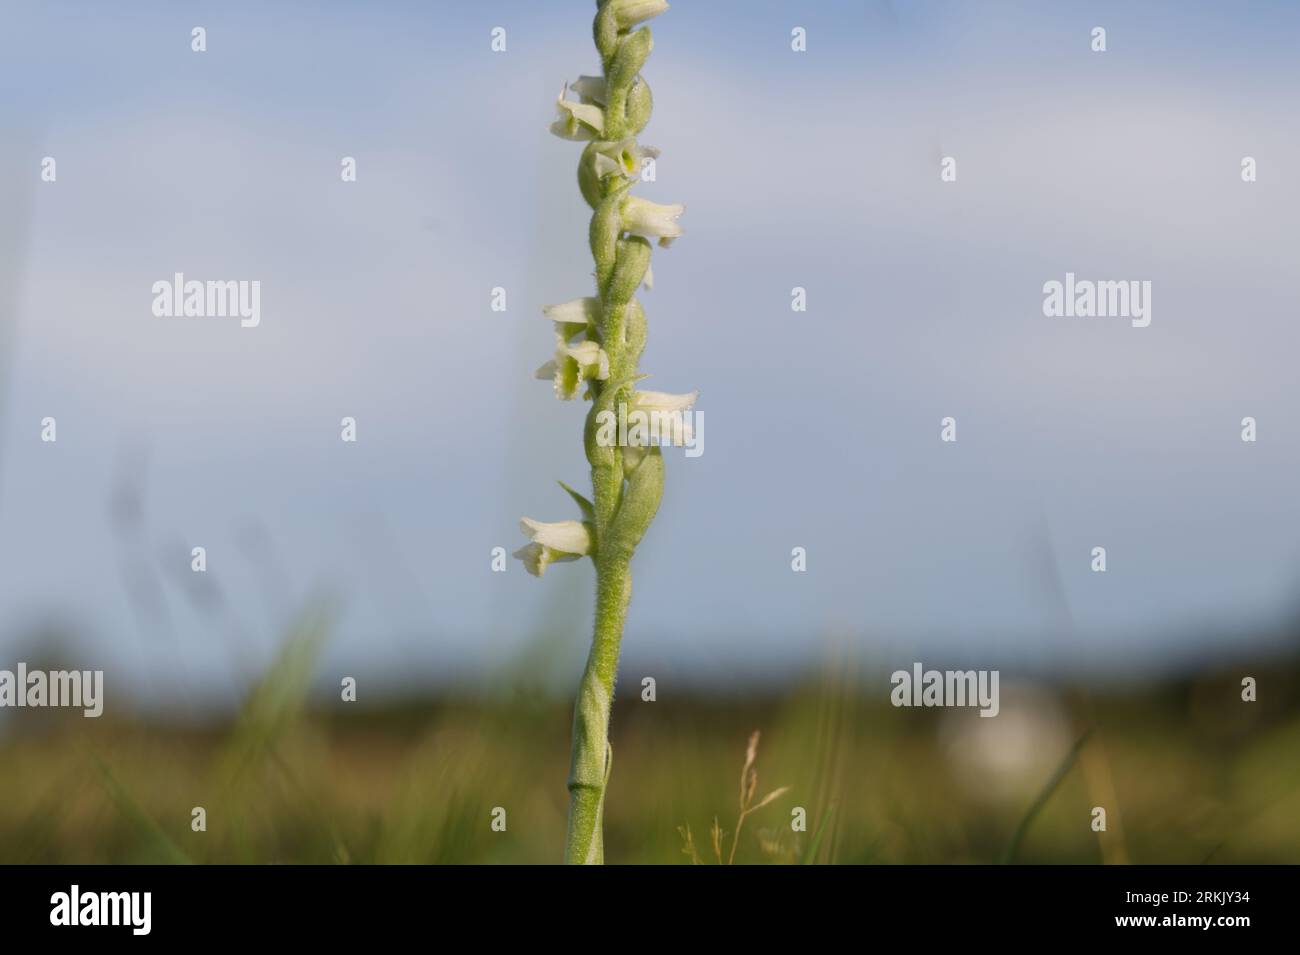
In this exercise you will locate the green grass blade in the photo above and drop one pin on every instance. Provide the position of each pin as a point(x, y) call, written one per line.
point(817, 838)
point(1013, 846)
point(157, 837)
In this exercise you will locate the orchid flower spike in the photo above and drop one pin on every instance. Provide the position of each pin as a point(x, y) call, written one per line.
point(599, 341)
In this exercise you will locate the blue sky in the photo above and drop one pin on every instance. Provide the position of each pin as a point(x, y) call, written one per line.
point(817, 170)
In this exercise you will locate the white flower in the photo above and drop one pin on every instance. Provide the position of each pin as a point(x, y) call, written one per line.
point(629, 13)
point(574, 364)
point(664, 416)
point(651, 220)
point(573, 317)
point(664, 401)
point(552, 543)
point(623, 159)
point(577, 120)
point(590, 90)
point(568, 537)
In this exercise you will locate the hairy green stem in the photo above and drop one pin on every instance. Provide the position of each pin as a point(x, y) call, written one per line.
point(590, 766)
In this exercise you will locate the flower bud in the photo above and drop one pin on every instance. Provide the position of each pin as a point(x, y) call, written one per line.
point(628, 13)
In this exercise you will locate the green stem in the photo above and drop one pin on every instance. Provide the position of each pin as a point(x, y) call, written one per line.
point(589, 770)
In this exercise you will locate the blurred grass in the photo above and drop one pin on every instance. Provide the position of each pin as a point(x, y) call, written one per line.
point(1196, 774)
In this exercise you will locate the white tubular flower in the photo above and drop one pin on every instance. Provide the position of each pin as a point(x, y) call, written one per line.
point(573, 317)
point(574, 364)
point(665, 415)
point(629, 13)
point(651, 220)
point(552, 543)
point(590, 90)
point(623, 159)
point(663, 401)
point(577, 120)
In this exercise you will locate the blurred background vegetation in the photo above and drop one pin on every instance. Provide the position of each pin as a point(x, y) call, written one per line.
point(1188, 773)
